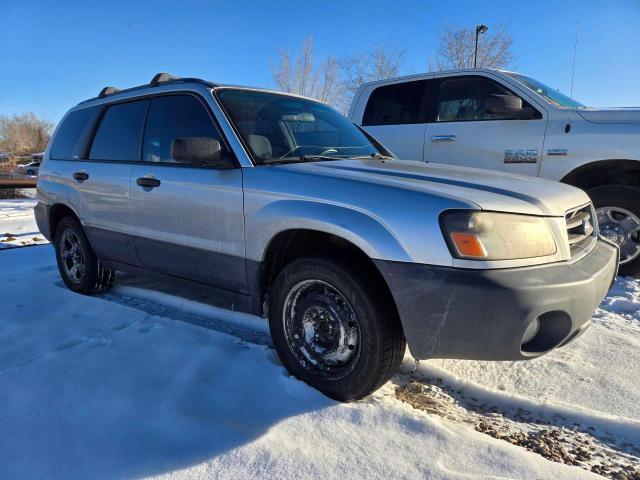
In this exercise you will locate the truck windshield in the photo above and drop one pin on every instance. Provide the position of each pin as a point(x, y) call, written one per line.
point(551, 95)
point(281, 129)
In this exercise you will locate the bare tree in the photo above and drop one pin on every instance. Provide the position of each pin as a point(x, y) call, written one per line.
point(334, 81)
point(378, 64)
point(457, 46)
point(24, 133)
point(300, 76)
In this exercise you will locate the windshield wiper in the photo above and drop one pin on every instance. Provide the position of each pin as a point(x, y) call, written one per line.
point(300, 159)
point(374, 156)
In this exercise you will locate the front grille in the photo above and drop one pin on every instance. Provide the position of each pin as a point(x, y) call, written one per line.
point(582, 226)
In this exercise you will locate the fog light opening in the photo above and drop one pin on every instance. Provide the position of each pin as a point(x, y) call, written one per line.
point(546, 332)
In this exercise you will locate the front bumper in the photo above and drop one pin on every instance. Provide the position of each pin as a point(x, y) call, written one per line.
point(484, 314)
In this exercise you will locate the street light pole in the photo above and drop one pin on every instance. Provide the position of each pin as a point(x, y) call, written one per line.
point(479, 29)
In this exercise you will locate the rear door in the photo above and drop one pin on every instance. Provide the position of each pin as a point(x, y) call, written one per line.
point(191, 223)
point(395, 115)
point(102, 194)
point(464, 133)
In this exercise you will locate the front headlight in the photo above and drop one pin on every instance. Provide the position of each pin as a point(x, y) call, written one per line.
point(497, 236)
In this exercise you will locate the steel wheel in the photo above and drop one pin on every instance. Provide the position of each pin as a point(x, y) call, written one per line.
point(72, 254)
point(622, 227)
point(321, 328)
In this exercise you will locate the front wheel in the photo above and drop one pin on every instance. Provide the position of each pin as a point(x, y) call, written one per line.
point(618, 211)
point(334, 329)
point(79, 266)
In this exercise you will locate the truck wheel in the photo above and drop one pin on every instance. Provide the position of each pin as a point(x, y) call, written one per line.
point(333, 329)
point(618, 210)
point(79, 266)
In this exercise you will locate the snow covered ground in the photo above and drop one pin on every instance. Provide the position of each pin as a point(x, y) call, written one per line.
point(130, 384)
point(17, 226)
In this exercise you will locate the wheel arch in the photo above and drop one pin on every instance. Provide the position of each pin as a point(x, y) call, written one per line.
point(57, 212)
point(604, 172)
point(291, 244)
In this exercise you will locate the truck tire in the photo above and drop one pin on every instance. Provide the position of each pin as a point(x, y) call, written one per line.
point(79, 266)
point(618, 210)
point(334, 329)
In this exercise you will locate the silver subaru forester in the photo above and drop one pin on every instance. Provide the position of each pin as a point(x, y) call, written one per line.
point(286, 209)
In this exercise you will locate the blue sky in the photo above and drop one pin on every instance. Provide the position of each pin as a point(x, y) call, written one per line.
point(54, 54)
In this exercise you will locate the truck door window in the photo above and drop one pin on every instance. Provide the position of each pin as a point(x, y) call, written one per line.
point(464, 99)
point(397, 104)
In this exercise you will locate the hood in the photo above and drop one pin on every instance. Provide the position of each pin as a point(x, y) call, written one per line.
point(488, 189)
point(610, 115)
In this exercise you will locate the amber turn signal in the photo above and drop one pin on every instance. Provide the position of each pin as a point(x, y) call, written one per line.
point(468, 245)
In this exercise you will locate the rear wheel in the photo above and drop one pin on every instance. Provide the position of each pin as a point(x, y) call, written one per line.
point(618, 211)
point(79, 266)
point(333, 329)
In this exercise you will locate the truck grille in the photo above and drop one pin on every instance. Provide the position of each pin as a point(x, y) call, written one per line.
point(582, 229)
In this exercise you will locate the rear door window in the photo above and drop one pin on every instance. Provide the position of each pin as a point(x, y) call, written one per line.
point(397, 104)
point(119, 135)
point(171, 117)
point(72, 135)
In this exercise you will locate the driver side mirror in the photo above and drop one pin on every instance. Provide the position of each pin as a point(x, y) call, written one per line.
point(508, 105)
point(200, 151)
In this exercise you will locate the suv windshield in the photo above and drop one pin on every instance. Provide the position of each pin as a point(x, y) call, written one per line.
point(281, 129)
point(551, 95)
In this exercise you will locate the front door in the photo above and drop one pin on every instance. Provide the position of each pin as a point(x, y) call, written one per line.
point(465, 133)
point(189, 219)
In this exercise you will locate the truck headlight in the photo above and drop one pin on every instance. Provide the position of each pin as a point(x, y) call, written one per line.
point(497, 236)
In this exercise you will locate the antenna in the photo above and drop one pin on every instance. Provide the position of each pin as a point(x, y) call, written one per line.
point(573, 69)
point(567, 127)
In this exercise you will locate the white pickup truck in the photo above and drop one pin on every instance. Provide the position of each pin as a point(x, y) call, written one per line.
point(507, 121)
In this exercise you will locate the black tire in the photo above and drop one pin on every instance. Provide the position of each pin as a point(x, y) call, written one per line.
point(379, 341)
point(622, 196)
point(92, 277)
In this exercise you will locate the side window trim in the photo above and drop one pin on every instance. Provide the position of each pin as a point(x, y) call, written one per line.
point(89, 138)
point(438, 82)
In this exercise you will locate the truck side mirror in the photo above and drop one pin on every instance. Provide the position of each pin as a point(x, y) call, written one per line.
point(200, 151)
point(508, 105)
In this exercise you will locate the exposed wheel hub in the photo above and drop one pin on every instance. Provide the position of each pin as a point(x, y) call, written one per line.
point(321, 328)
point(623, 228)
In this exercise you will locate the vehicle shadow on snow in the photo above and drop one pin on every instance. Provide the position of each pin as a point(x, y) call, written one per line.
point(136, 394)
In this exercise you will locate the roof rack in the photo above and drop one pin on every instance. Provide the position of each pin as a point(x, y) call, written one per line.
point(108, 91)
point(157, 80)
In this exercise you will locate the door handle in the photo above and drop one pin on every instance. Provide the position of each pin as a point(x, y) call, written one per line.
point(80, 176)
point(148, 182)
point(443, 138)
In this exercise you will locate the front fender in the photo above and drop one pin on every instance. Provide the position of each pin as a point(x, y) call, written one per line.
point(360, 228)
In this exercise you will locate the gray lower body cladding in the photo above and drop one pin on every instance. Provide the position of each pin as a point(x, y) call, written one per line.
point(486, 314)
point(41, 212)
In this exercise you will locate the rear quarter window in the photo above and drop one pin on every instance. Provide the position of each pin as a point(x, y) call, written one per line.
point(71, 137)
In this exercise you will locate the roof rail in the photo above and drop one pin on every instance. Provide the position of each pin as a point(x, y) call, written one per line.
point(108, 91)
point(157, 80)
